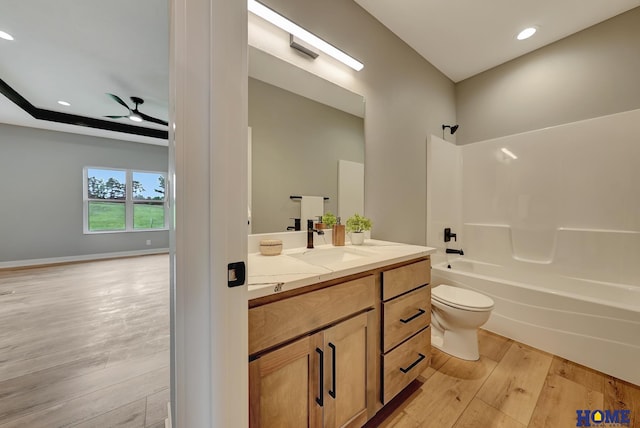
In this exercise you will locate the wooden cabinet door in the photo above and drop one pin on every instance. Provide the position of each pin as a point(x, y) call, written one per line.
point(284, 384)
point(346, 372)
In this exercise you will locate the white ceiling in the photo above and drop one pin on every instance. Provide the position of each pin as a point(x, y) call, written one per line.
point(79, 50)
point(465, 37)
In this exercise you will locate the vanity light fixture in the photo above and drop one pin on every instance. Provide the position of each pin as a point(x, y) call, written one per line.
point(305, 48)
point(64, 103)
point(526, 33)
point(508, 153)
point(281, 22)
point(5, 36)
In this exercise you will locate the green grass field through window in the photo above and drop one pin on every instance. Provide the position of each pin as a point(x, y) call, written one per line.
point(105, 216)
point(148, 216)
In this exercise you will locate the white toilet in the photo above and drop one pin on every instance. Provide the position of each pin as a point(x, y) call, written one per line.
point(456, 315)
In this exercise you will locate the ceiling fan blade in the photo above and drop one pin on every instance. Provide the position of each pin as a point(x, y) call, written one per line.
point(115, 117)
point(152, 119)
point(119, 101)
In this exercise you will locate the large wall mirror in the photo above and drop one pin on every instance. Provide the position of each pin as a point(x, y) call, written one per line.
point(305, 133)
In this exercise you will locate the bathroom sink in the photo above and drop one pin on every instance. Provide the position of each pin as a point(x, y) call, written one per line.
point(326, 256)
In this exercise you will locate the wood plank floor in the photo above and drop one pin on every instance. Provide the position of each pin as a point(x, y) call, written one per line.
point(511, 386)
point(85, 345)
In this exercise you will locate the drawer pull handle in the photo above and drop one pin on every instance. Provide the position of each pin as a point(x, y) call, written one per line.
point(415, 363)
point(332, 392)
point(411, 318)
point(320, 399)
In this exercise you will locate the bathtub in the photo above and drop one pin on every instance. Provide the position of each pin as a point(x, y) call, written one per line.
point(593, 323)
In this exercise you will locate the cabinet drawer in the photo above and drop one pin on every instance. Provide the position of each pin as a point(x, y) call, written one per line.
point(402, 365)
point(405, 278)
point(283, 320)
point(404, 316)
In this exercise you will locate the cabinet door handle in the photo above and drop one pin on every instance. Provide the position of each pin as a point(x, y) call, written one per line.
point(320, 399)
point(414, 316)
point(415, 363)
point(332, 391)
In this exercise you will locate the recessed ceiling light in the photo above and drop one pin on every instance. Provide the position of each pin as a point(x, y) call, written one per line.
point(526, 33)
point(5, 36)
point(64, 103)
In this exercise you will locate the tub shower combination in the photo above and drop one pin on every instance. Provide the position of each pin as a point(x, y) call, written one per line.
point(580, 301)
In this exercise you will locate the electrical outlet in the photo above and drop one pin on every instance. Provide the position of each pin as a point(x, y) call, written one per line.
point(148, 241)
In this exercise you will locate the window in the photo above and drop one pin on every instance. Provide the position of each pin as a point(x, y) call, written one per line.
point(118, 200)
point(148, 200)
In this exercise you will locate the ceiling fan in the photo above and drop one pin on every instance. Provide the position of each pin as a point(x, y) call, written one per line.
point(135, 114)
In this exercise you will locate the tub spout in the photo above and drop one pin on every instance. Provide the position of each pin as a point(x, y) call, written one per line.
point(452, 251)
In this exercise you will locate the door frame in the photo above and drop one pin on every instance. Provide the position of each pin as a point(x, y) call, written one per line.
point(208, 164)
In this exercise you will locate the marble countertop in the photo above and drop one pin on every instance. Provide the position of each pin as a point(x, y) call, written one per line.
point(300, 267)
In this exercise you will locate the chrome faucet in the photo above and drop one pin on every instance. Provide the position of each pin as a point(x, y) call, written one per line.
point(310, 231)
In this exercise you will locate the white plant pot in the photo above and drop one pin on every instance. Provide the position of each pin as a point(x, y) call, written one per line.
point(357, 238)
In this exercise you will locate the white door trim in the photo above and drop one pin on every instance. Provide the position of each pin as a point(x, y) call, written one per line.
point(208, 153)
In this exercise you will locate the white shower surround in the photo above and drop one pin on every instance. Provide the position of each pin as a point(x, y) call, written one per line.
point(552, 236)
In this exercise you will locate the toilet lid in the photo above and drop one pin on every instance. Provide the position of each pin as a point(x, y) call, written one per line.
point(461, 298)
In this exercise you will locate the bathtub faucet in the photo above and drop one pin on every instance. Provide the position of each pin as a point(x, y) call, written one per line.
point(452, 251)
point(448, 235)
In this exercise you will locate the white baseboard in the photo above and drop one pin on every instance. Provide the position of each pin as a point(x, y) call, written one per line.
point(81, 258)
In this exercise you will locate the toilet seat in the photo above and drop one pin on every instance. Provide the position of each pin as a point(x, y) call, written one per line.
point(461, 298)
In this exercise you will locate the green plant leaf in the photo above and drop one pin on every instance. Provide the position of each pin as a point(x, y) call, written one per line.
point(329, 219)
point(358, 223)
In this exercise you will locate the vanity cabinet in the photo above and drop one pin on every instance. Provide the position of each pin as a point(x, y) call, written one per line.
point(405, 346)
point(317, 381)
point(332, 354)
point(323, 378)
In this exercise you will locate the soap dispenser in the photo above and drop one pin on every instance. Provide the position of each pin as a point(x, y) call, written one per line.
point(337, 237)
point(319, 225)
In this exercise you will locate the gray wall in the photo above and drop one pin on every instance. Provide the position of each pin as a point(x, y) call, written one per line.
point(592, 73)
point(296, 144)
point(407, 99)
point(41, 193)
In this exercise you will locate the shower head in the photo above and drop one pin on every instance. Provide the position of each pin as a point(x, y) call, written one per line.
point(452, 128)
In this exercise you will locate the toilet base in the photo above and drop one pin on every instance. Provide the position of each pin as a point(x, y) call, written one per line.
point(462, 344)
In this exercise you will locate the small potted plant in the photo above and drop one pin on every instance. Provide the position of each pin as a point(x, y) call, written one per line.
point(356, 226)
point(329, 220)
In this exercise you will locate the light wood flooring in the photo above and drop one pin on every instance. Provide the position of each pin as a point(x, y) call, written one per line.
point(511, 386)
point(85, 345)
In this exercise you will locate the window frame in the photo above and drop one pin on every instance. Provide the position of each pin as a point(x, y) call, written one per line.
point(128, 201)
